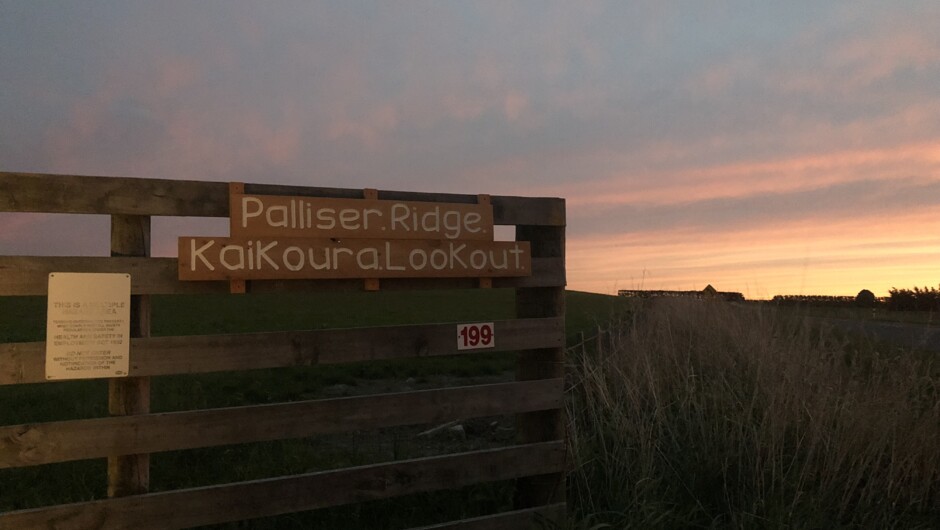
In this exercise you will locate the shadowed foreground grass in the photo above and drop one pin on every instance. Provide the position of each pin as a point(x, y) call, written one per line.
point(707, 415)
point(684, 415)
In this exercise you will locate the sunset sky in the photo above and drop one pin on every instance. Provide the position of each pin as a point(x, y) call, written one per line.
point(762, 147)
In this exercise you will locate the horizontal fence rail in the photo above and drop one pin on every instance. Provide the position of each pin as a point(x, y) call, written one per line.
point(43, 443)
point(535, 464)
point(29, 192)
point(532, 518)
point(24, 362)
point(269, 497)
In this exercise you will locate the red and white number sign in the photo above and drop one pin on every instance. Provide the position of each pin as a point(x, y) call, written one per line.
point(476, 336)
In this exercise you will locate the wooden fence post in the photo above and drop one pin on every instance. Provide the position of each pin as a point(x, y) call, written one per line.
point(547, 363)
point(129, 437)
point(130, 474)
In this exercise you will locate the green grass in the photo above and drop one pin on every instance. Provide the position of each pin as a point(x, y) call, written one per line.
point(185, 315)
point(23, 318)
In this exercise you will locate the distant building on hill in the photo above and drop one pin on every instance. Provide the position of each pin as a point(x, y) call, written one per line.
point(708, 293)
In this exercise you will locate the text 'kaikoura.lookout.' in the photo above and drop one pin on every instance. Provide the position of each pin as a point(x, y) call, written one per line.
point(299, 237)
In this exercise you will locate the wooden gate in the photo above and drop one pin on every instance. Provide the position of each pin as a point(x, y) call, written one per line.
point(131, 433)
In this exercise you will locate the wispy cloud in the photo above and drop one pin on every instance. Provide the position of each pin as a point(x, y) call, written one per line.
point(840, 258)
point(747, 178)
point(33, 234)
point(784, 146)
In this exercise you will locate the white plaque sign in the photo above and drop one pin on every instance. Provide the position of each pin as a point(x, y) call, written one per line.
point(88, 325)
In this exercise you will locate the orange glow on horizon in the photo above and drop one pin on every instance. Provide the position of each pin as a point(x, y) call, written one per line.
point(802, 257)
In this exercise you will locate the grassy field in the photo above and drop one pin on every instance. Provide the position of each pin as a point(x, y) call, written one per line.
point(22, 319)
point(879, 314)
point(707, 415)
point(682, 414)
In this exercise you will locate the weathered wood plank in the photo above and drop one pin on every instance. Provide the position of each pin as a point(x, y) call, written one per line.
point(269, 497)
point(43, 443)
point(24, 362)
point(129, 471)
point(29, 275)
point(33, 192)
point(549, 517)
point(529, 211)
point(541, 302)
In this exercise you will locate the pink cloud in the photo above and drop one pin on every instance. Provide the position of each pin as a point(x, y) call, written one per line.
point(175, 74)
point(180, 129)
point(14, 225)
point(369, 129)
point(871, 59)
point(741, 179)
point(39, 234)
point(248, 140)
point(463, 108)
point(855, 63)
point(514, 104)
point(716, 78)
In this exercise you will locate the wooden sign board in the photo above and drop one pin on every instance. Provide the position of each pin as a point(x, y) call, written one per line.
point(220, 258)
point(314, 217)
point(88, 325)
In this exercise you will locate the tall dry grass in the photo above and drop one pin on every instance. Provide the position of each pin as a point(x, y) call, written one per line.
point(705, 415)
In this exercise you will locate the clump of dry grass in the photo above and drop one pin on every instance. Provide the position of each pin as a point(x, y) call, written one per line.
point(703, 415)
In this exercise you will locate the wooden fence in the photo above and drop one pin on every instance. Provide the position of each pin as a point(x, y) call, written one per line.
point(131, 433)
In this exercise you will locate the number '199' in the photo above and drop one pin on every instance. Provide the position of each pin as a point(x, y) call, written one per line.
point(475, 336)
